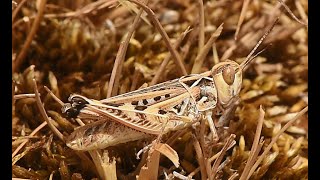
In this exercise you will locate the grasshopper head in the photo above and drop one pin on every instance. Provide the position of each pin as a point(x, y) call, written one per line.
point(227, 77)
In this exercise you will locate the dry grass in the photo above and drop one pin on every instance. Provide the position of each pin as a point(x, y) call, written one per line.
point(100, 49)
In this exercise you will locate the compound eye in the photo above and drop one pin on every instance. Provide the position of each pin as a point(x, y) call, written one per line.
point(228, 75)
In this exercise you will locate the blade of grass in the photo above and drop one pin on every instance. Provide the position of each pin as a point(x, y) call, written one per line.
point(165, 37)
point(117, 68)
point(167, 58)
point(201, 31)
point(291, 13)
point(150, 169)
point(254, 144)
point(223, 151)
point(204, 51)
point(241, 18)
point(22, 96)
point(44, 114)
point(301, 11)
point(274, 140)
point(25, 141)
point(23, 52)
point(16, 10)
point(214, 157)
point(200, 158)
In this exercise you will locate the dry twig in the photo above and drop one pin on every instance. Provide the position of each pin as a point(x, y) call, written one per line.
point(23, 52)
point(274, 140)
point(174, 53)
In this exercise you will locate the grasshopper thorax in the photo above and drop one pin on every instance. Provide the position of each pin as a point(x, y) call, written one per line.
point(227, 77)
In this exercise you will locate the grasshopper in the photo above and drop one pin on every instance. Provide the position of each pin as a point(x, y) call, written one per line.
point(158, 109)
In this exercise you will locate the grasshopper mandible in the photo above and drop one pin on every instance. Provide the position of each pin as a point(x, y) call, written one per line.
point(157, 109)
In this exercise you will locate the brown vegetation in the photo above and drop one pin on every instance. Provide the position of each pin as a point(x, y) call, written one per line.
point(107, 47)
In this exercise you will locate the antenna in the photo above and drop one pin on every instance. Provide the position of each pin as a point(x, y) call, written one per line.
point(249, 58)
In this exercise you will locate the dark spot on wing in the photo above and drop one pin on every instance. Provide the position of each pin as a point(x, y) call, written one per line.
point(113, 104)
point(140, 108)
point(145, 102)
point(134, 102)
point(167, 95)
point(178, 107)
point(157, 98)
point(162, 111)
